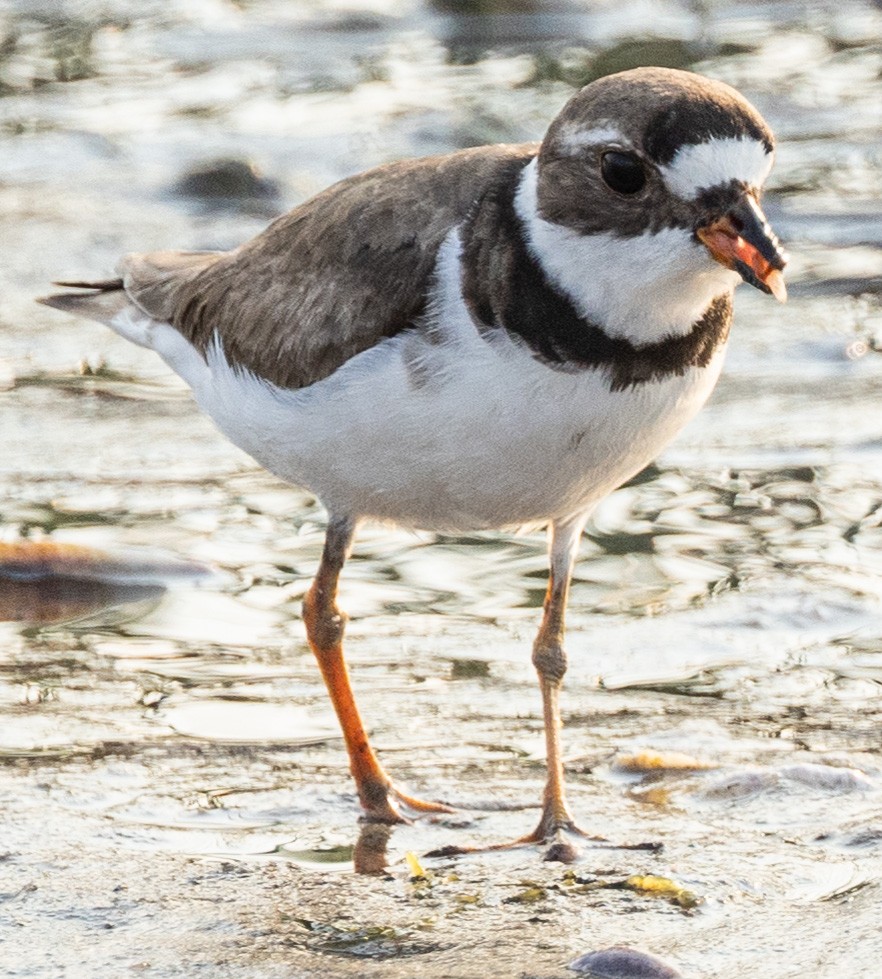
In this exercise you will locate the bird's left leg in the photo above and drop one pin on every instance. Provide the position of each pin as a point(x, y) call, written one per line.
point(550, 661)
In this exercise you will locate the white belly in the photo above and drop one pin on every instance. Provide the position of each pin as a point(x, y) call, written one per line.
point(482, 436)
point(443, 428)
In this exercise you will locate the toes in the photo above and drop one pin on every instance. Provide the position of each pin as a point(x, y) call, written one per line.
point(380, 803)
point(561, 851)
point(420, 805)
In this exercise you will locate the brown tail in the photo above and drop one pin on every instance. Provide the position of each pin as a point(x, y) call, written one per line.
point(102, 302)
point(103, 285)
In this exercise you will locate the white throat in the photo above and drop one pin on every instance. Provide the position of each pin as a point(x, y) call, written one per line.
point(640, 289)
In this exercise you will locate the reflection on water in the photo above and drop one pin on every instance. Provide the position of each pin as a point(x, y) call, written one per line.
point(60, 600)
point(726, 652)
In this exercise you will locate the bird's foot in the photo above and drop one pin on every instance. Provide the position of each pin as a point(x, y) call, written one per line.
point(555, 830)
point(383, 802)
point(558, 835)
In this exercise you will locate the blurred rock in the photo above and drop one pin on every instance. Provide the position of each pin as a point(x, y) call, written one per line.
point(741, 785)
point(865, 838)
point(499, 6)
point(227, 182)
point(828, 778)
point(620, 962)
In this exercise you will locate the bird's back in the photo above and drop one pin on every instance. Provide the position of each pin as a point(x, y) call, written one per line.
point(323, 283)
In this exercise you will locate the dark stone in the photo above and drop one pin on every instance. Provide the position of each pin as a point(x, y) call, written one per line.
point(226, 180)
point(620, 962)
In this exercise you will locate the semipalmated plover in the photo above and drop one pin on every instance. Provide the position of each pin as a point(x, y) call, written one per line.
point(494, 338)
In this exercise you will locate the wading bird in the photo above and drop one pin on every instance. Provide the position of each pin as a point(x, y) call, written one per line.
point(489, 339)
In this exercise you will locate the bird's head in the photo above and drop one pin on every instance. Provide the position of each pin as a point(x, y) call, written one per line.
point(663, 170)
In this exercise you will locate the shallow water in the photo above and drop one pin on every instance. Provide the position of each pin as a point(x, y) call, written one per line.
point(174, 791)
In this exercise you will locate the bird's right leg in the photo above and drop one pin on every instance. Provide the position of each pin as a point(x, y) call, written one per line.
point(325, 624)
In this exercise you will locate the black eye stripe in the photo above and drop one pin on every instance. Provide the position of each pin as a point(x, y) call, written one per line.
point(623, 172)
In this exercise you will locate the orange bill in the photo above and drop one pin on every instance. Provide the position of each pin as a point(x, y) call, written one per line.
point(742, 240)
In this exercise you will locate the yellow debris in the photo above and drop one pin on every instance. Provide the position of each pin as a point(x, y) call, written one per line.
point(663, 887)
point(658, 761)
point(414, 866)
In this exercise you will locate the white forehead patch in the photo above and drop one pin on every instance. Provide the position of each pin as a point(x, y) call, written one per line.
point(572, 138)
point(718, 161)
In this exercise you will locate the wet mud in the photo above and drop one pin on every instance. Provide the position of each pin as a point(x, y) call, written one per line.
point(174, 791)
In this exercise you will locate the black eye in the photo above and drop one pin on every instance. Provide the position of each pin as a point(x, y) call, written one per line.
point(623, 172)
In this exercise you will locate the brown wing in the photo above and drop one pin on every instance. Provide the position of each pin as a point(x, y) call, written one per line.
point(329, 279)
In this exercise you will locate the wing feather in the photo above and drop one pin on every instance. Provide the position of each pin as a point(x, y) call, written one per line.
point(329, 279)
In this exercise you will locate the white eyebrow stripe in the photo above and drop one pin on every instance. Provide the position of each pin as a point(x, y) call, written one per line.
point(698, 166)
point(572, 139)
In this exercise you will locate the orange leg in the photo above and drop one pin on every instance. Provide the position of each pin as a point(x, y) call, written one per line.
point(549, 658)
point(325, 624)
point(550, 661)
